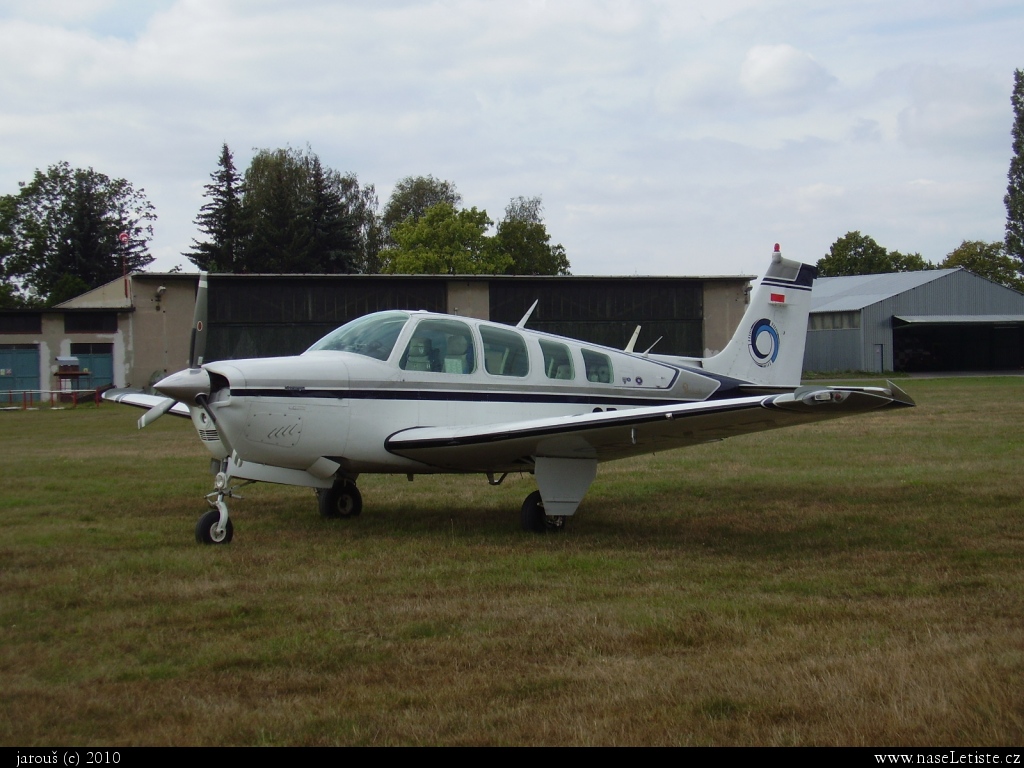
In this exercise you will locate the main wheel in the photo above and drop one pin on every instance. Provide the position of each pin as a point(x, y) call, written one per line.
point(533, 518)
point(206, 529)
point(341, 500)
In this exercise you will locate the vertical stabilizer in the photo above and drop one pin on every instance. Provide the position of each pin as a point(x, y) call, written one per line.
point(768, 346)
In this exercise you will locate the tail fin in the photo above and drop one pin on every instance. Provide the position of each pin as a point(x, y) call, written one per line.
point(768, 346)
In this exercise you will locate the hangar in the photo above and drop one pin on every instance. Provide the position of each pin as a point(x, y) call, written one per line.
point(138, 328)
point(932, 320)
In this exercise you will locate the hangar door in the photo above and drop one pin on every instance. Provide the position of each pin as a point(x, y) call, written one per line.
point(962, 343)
point(19, 371)
point(98, 361)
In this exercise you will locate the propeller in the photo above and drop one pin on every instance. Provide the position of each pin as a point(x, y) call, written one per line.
point(197, 344)
point(191, 385)
point(156, 412)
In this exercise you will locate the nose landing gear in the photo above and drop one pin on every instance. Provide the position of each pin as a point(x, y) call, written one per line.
point(214, 526)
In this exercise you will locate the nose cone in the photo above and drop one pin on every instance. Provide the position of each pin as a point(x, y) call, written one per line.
point(184, 386)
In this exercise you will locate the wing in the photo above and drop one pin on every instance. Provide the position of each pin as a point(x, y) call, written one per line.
point(141, 400)
point(618, 434)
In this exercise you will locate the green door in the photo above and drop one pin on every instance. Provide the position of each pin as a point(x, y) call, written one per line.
point(98, 361)
point(19, 371)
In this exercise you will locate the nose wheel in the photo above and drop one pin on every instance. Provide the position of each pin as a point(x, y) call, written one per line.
point(214, 526)
point(210, 531)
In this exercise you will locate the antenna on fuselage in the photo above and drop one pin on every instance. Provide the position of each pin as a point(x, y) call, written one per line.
point(648, 350)
point(522, 323)
point(632, 341)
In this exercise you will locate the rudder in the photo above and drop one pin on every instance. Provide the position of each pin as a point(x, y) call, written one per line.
point(768, 346)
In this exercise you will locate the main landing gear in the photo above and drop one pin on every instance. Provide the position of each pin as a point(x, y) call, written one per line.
point(340, 500)
point(533, 518)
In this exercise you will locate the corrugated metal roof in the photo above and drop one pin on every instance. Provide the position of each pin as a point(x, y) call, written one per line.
point(853, 292)
point(959, 319)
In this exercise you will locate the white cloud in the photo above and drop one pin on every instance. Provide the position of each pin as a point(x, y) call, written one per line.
point(669, 137)
point(781, 78)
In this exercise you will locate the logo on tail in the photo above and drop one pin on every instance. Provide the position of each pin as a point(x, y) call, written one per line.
point(763, 342)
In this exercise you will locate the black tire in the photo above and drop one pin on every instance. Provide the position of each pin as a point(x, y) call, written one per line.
point(341, 500)
point(206, 529)
point(532, 517)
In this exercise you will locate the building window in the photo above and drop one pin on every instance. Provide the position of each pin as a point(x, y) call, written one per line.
point(21, 322)
point(90, 322)
point(833, 321)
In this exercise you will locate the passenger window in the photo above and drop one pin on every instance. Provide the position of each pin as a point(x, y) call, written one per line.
point(504, 352)
point(599, 367)
point(440, 346)
point(557, 360)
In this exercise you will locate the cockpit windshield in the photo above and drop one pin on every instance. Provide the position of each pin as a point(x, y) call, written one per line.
point(373, 335)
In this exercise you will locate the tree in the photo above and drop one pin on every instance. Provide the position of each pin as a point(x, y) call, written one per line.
point(523, 240)
point(857, 254)
point(371, 231)
point(989, 260)
point(298, 215)
point(72, 229)
point(411, 199)
point(444, 241)
point(218, 219)
point(274, 196)
point(333, 230)
point(1014, 199)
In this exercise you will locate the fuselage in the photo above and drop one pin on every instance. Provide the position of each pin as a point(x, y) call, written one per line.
point(393, 371)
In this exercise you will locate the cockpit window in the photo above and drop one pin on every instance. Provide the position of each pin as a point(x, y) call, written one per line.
point(599, 367)
point(440, 346)
point(373, 335)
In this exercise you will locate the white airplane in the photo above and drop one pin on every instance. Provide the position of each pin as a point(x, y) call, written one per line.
point(411, 393)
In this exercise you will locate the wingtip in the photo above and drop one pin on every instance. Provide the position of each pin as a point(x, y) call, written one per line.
point(900, 398)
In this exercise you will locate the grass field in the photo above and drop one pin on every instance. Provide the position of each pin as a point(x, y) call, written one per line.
point(854, 582)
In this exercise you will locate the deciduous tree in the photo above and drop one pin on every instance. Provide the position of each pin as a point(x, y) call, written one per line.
point(444, 241)
point(523, 239)
point(412, 197)
point(72, 229)
point(857, 254)
point(989, 260)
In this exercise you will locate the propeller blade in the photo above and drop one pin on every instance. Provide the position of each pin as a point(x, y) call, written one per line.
point(156, 412)
point(197, 346)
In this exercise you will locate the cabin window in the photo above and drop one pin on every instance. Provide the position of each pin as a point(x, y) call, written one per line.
point(557, 360)
point(599, 367)
point(440, 346)
point(504, 352)
point(373, 335)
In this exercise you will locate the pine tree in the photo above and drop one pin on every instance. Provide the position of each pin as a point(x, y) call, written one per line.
point(333, 229)
point(218, 219)
point(1014, 199)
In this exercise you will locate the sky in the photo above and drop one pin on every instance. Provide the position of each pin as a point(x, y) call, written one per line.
point(665, 138)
